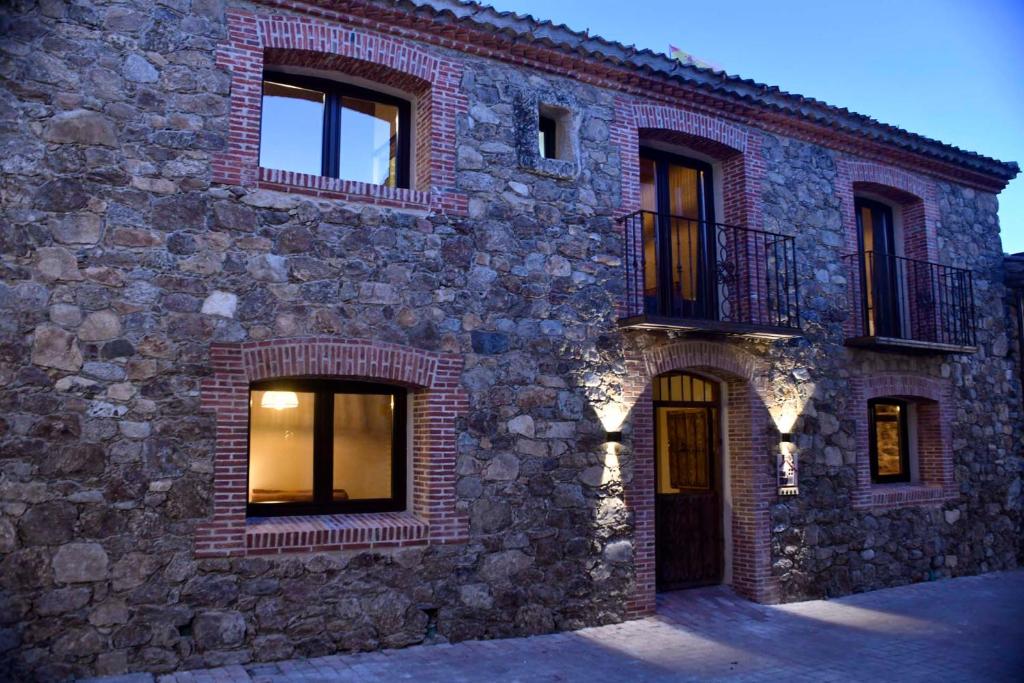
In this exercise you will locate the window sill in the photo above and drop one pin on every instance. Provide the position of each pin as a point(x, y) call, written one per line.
point(562, 169)
point(895, 496)
point(324, 533)
point(346, 190)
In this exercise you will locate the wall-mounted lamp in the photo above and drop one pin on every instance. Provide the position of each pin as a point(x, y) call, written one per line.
point(613, 437)
point(279, 400)
point(788, 464)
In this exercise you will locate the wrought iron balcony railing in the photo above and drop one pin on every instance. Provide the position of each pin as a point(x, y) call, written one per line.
point(693, 274)
point(902, 301)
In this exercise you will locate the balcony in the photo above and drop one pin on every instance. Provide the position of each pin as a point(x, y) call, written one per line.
point(693, 275)
point(906, 304)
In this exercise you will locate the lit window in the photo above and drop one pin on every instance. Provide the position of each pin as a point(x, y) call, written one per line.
point(890, 451)
point(320, 446)
point(686, 431)
point(333, 129)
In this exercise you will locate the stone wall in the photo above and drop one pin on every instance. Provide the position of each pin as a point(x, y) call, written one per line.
point(123, 263)
point(821, 545)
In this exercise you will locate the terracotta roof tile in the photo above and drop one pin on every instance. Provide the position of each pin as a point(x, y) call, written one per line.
point(559, 36)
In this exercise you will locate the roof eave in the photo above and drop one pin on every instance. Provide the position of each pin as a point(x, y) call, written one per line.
point(559, 36)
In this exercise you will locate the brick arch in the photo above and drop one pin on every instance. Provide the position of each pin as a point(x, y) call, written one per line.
point(437, 402)
point(340, 357)
point(692, 124)
point(737, 149)
point(748, 427)
point(933, 401)
point(916, 196)
point(869, 172)
point(332, 63)
point(729, 361)
point(284, 40)
point(905, 384)
point(292, 33)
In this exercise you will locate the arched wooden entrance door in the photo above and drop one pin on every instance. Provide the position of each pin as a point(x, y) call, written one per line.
point(688, 506)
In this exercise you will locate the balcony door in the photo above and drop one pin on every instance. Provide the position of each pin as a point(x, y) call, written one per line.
point(676, 195)
point(880, 268)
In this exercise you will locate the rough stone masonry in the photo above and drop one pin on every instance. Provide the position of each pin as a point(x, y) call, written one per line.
point(125, 258)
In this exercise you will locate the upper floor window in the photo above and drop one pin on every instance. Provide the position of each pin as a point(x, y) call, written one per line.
point(320, 446)
point(884, 270)
point(889, 437)
point(548, 128)
point(322, 127)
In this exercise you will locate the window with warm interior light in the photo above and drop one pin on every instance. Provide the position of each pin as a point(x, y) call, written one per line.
point(319, 446)
point(686, 428)
point(327, 128)
point(889, 437)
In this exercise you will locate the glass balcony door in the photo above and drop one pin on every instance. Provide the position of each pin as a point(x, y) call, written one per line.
point(679, 255)
point(880, 268)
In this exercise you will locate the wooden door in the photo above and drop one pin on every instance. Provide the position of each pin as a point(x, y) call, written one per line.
point(688, 507)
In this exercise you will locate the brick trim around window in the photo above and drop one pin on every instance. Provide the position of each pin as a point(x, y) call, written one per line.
point(933, 400)
point(750, 472)
point(736, 151)
point(430, 80)
point(916, 196)
point(437, 402)
point(917, 199)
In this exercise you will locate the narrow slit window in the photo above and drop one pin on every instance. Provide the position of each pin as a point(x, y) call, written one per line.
point(548, 140)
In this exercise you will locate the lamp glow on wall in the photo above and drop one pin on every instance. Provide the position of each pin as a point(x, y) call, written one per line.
point(612, 414)
point(279, 400)
point(785, 403)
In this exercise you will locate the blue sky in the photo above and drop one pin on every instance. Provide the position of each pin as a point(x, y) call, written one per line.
point(951, 70)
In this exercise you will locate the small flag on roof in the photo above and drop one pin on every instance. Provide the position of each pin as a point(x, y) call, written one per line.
point(690, 60)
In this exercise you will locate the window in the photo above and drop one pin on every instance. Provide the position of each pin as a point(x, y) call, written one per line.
point(553, 126)
point(547, 136)
point(889, 440)
point(322, 446)
point(686, 432)
point(882, 268)
point(322, 127)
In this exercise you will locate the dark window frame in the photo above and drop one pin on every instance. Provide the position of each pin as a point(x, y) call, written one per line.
point(904, 427)
point(706, 305)
point(323, 455)
point(881, 269)
point(548, 128)
point(334, 91)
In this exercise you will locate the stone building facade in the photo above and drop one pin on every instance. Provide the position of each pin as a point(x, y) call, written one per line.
point(154, 273)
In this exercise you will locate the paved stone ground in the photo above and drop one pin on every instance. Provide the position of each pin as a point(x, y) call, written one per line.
point(966, 629)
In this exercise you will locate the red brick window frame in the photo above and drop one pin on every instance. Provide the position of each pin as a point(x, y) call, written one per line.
point(915, 198)
point(437, 402)
point(735, 151)
point(332, 49)
point(738, 152)
point(932, 401)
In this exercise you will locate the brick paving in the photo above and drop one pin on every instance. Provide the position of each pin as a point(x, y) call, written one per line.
point(966, 629)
